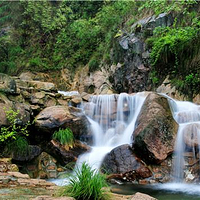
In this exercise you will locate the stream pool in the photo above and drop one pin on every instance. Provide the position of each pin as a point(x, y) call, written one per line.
point(169, 191)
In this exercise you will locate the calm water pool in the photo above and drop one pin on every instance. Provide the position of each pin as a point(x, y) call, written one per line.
point(169, 191)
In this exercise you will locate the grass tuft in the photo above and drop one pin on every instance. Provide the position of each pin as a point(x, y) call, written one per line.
point(86, 184)
point(65, 137)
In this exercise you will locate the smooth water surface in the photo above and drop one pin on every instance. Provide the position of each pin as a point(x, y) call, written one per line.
point(168, 191)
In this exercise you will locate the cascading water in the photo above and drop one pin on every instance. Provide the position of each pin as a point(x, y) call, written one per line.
point(112, 119)
point(187, 147)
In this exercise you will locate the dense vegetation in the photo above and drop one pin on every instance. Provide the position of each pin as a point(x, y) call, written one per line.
point(50, 35)
point(62, 34)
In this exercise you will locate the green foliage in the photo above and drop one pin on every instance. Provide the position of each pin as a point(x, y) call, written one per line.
point(18, 147)
point(64, 136)
point(64, 34)
point(160, 6)
point(14, 136)
point(171, 41)
point(93, 64)
point(86, 184)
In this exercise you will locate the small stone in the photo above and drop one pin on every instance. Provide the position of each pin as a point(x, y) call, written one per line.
point(43, 175)
point(158, 176)
point(13, 168)
point(51, 167)
point(19, 175)
point(39, 95)
point(6, 160)
point(53, 174)
point(60, 169)
point(143, 182)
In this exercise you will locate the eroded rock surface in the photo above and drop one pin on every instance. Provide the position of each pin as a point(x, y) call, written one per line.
point(52, 118)
point(155, 131)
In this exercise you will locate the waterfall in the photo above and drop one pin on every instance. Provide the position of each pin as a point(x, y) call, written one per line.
point(112, 119)
point(187, 146)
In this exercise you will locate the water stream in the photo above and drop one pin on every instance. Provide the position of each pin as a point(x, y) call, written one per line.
point(187, 150)
point(112, 119)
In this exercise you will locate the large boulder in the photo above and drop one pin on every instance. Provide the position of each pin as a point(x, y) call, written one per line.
point(155, 131)
point(55, 117)
point(33, 152)
point(123, 161)
point(7, 104)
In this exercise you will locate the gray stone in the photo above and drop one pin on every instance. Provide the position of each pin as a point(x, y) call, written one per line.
point(7, 84)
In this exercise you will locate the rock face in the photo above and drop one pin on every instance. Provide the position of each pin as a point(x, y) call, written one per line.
point(155, 131)
point(63, 155)
point(132, 76)
point(131, 50)
point(122, 160)
point(52, 118)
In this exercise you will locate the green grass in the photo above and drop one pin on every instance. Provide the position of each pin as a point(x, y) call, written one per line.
point(86, 184)
point(64, 136)
point(18, 147)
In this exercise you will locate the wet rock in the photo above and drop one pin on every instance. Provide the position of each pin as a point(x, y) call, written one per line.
point(191, 135)
point(123, 161)
point(155, 131)
point(63, 155)
point(52, 118)
point(85, 96)
point(141, 196)
point(34, 151)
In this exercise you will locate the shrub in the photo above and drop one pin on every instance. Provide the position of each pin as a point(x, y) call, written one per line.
point(18, 147)
point(13, 137)
point(93, 64)
point(65, 137)
point(86, 184)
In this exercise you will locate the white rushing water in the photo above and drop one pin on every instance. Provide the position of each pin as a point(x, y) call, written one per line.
point(187, 115)
point(69, 93)
point(112, 119)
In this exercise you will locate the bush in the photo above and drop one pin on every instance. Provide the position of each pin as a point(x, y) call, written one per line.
point(65, 137)
point(18, 147)
point(86, 184)
point(93, 64)
point(13, 137)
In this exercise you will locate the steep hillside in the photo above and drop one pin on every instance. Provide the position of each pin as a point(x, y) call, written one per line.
point(137, 43)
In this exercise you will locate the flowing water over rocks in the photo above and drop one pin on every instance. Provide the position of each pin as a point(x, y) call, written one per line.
point(187, 151)
point(112, 119)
